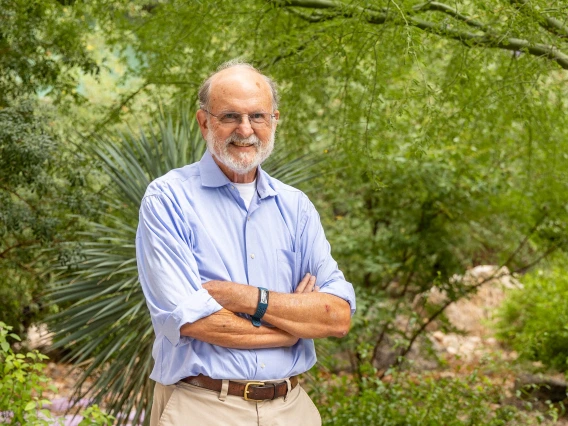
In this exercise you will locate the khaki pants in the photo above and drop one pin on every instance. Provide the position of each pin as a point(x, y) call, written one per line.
point(183, 404)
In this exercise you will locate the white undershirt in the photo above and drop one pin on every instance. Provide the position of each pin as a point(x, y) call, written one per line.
point(247, 191)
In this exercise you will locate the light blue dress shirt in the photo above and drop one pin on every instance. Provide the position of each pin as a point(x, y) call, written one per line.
point(194, 227)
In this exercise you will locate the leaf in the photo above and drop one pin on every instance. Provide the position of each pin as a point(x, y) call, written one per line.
point(15, 336)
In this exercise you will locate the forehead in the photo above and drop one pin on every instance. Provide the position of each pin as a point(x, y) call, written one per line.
point(239, 89)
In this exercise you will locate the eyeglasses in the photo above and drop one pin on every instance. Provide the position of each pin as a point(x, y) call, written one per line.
point(256, 119)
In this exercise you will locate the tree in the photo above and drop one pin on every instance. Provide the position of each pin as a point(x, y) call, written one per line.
point(41, 41)
point(41, 50)
point(37, 192)
point(457, 23)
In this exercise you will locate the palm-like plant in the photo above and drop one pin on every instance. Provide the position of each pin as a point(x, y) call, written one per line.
point(106, 328)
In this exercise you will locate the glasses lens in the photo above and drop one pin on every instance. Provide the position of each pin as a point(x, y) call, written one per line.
point(230, 118)
point(256, 119)
point(259, 117)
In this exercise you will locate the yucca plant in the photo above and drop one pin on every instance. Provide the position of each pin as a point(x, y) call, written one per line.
point(104, 326)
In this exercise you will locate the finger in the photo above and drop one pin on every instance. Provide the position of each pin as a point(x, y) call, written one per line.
point(316, 288)
point(311, 284)
point(302, 284)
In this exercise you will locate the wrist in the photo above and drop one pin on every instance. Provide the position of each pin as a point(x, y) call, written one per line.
point(262, 305)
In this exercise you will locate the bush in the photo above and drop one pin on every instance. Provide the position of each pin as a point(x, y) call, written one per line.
point(411, 399)
point(22, 383)
point(42, 183)
point(534, 320)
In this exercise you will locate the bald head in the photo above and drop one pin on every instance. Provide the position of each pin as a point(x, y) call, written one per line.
point(236, 72)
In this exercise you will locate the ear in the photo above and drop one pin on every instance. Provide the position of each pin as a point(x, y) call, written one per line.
point(276, 117)
point(202, 121)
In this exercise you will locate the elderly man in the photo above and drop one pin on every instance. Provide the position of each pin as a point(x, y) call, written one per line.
point(236, 271)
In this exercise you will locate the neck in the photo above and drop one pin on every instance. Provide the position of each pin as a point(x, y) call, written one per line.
point(234, 176)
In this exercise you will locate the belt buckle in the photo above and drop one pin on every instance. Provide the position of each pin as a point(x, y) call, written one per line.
point(245, 395)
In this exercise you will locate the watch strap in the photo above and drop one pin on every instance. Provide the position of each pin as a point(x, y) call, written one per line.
point(261, 307)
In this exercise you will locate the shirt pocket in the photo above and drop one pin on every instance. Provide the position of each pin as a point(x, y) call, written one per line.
point(287, 270)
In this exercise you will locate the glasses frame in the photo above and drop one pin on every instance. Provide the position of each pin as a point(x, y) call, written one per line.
point(252, 123)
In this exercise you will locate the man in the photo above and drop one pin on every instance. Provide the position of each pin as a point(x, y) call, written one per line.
point(236, 271)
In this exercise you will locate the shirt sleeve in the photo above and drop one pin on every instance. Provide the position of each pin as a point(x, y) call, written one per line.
point(317, 259)
point(168, 270)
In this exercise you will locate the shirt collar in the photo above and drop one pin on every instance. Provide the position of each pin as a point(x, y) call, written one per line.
point(213, 177)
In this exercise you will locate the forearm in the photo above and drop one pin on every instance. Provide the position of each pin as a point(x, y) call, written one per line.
point(306, 315)
point(226, 329)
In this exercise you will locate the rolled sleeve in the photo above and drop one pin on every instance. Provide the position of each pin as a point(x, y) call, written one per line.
point(168, 271)
point(318, 260)
point(200, 306)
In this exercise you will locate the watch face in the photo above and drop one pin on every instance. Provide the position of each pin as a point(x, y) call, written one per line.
point(263, 297)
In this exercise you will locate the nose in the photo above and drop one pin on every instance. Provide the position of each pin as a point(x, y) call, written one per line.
point(244, 129)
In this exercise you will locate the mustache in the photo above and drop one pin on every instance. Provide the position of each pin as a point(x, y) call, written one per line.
point(252, 139)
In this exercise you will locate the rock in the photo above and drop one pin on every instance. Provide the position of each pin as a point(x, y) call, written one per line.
point(39, 337)
point(470, 314)
point(541, 388)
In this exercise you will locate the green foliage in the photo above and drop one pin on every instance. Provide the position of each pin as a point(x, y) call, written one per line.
point(534, 320)
point(22, 383)
point(94, 416)
point(38, 190)
point(41, 42)
point(409, 399)
point(445, 145)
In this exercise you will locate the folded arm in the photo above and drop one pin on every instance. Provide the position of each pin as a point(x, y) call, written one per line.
point(169, 275)
point(224, 328)
point(305, 313)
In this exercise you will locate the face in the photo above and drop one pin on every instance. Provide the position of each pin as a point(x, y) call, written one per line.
point(239, 154)
point(238, 148)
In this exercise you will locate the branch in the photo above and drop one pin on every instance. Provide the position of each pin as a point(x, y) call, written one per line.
point(313, 18)
point(547, 253)
point(18, 245)
point(116, 110)
point(441, 7)
point(490, 40)
point(32, 207)
point(468, 291)
point(442, 308)
point(525, 240)
point(552, 25)
point(311, 4)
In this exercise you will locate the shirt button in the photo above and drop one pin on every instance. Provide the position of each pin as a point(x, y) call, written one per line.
point(252, 256)
point(262, 366)
point(248, 218)
point(232, 187)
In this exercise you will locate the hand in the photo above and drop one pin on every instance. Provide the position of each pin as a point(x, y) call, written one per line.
point(307, 285)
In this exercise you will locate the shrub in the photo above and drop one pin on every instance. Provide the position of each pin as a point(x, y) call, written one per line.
point(534, 320)
point(417, 399)
point(22, 384)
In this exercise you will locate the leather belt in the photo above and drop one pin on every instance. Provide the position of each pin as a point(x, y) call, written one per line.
point(251, 391)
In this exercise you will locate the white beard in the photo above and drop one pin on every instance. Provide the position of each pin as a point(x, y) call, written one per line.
point(244, 162)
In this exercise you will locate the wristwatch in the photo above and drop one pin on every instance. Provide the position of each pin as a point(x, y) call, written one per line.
point(261, 307)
